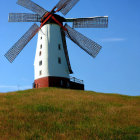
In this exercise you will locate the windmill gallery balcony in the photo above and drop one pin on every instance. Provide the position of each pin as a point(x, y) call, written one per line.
point(71, 83)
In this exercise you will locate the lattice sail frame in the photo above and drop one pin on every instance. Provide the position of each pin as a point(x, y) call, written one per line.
point(32, 6)
point(21, 43)
point(93, 22)
point(66, 5)
point(23, 17)
point(91, 47)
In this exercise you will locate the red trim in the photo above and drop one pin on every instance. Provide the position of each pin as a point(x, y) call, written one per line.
point(59, 23)
point(53, 10)
point(46, 20)
point(50, 15)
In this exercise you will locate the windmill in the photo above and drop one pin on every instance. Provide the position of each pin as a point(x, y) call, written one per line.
point(52, 66)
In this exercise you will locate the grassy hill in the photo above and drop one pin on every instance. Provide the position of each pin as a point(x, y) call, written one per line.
point(52, 113)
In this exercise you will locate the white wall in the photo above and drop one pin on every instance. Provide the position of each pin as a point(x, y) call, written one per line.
point(51, 37)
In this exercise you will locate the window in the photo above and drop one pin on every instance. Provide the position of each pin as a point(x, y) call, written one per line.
point(40, 72)
point(41, 46)
point(59, 47)
point(40, 53)
point(61, 82)
point(68, 84)
point(59, 60)
point(41, 37)
point(40, 63)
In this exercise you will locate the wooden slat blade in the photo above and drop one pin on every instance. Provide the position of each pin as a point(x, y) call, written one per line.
point(32, 6)
point(21, 43)
point(89, 46)
point(24, 17)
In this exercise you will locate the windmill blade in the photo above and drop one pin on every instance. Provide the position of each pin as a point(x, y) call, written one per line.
point(92, 22)
point(66, 5)
point(21, 43)
point(83, 42)
point(32, 6)
point(24, 17)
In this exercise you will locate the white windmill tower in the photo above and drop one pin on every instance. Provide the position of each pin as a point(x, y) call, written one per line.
point(52, 66)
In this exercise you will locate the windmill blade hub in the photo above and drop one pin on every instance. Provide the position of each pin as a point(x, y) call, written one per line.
point(59, 18)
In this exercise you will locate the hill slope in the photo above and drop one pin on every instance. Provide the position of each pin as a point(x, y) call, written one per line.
point(52, 113)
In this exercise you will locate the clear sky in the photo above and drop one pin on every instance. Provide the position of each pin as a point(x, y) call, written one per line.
point(115, 70)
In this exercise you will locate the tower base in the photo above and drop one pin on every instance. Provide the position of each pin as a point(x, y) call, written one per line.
point(57, 82)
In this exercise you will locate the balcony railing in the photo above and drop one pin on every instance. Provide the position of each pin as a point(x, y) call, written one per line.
point(73, 79)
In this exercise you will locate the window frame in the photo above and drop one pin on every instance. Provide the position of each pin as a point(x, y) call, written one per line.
point(40, 63)
point(40, 53)
point(59, 46)
point(40, 46)
point(40, 72)
point(59, 60)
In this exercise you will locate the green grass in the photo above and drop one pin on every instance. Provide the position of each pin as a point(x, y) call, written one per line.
point(59, 114)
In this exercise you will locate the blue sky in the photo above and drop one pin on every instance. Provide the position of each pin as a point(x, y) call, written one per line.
point(115, 70)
